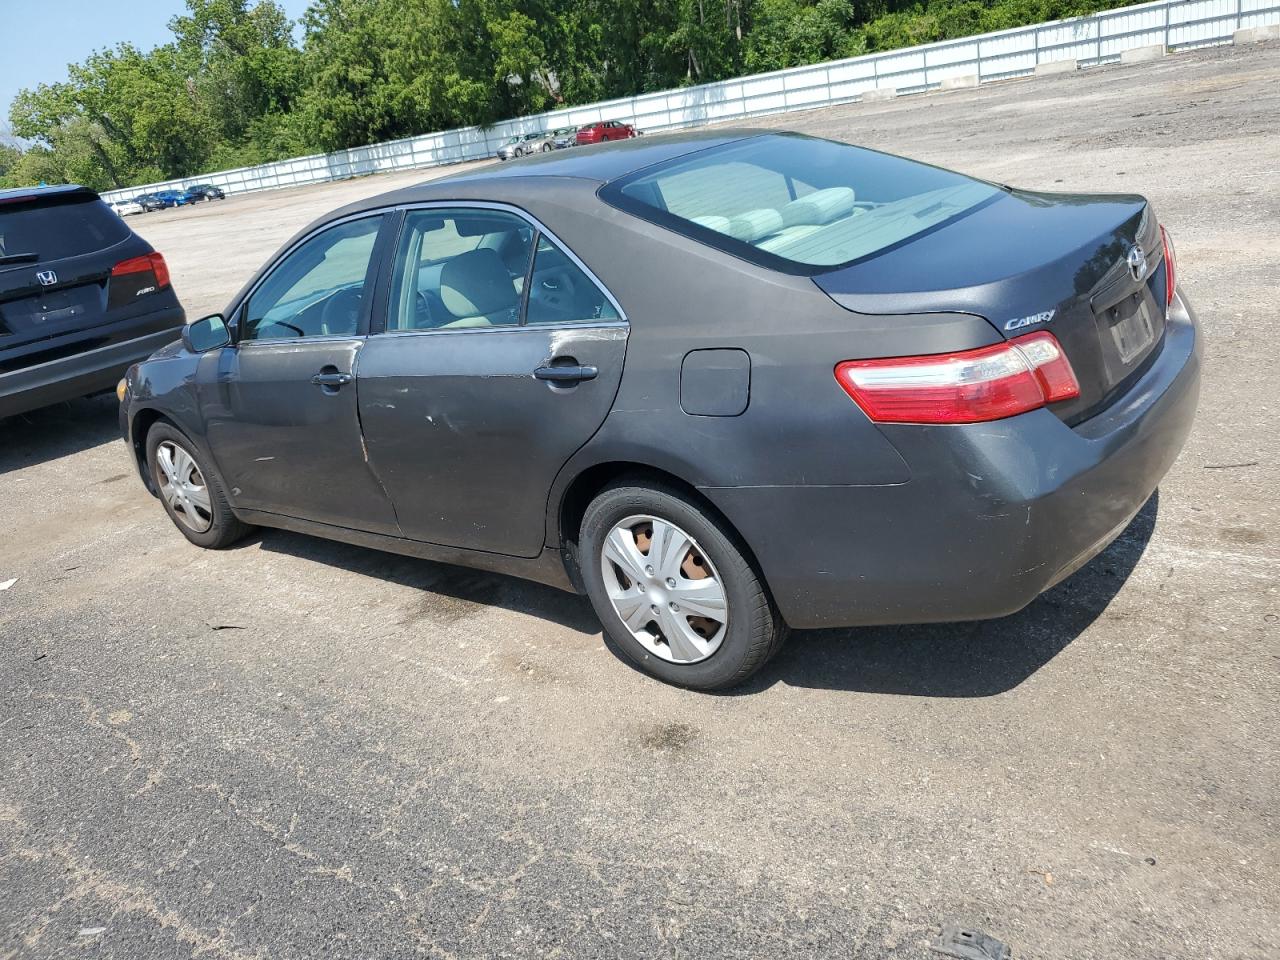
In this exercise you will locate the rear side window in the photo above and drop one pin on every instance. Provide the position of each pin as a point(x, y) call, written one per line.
point(798, 204)
point(459, 268)
point(57, 228)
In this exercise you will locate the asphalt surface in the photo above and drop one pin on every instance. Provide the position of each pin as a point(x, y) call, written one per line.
point(299, 749)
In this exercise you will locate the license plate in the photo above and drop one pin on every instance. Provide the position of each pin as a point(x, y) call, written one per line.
point(1134, 333)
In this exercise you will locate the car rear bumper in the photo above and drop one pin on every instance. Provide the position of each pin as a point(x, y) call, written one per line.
point(80, 374)
point(993, 515)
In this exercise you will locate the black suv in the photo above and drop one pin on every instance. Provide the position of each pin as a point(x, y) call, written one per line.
point(82, 297)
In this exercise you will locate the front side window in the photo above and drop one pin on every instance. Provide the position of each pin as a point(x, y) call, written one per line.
point(459, 268)
point(798, 203)
point(316, 290)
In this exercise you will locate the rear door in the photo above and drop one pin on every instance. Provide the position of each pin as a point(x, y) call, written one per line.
point(500, 357)
point(281, 416)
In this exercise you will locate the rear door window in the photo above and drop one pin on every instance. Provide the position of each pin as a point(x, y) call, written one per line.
point(55, 228)
point(459, 268)
point(561, 292)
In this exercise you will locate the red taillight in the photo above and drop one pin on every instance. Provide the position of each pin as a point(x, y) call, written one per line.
point(972, 386)
point(151, 262)
point(1170, 268)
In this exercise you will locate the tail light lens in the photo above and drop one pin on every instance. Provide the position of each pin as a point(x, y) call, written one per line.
point(1170, 268)
point(149, 263)
point(971, 386)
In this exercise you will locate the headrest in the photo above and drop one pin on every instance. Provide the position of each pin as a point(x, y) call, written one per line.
point(476, 283)
point(755, 224)
point(821, 206)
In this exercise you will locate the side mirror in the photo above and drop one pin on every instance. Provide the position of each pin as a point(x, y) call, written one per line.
point(205, 334)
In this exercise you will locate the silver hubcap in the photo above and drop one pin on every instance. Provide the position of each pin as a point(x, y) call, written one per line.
point(664, 589)
point(182, 487)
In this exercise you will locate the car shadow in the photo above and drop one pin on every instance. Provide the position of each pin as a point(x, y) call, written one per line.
point(59, 431)
point(452, 591)
point(974, 659)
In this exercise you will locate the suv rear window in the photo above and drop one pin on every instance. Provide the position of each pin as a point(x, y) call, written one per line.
point(798, 204)
point(57, 227)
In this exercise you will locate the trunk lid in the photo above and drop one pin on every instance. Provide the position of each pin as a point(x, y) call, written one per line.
point(1035, 261)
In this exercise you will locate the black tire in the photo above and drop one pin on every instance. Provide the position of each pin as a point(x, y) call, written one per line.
point(225, 528)
point(755, 630)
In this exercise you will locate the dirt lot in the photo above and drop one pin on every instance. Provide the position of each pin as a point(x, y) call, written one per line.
point(295, 748)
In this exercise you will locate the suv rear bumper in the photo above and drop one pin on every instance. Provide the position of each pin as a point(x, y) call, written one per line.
point(80, 374)
point(993, 515)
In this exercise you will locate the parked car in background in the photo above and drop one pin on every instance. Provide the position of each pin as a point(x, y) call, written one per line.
point(857, 389)
point(605, 131)
point(161, 200)
point(203, 191)
point(564, 137)
point(127, 208)
point(176, 198)
point(525, 144)
point(81, 297)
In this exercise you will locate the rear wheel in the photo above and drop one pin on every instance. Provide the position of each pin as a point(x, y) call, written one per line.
point(546, 148)
point(191, 491)
point(674, 589)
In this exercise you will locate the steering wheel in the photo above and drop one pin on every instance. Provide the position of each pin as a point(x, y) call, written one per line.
point(422, 318)
point(341, 313)
point(557, 289)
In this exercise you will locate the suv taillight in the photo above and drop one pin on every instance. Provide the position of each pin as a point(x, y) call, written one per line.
point(151, 262)
point(1170, 268)
point(971, 386)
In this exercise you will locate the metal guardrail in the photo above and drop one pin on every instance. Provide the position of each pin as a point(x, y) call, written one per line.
point(1090, 40)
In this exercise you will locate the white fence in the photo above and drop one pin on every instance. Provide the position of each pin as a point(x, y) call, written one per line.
point(1096, 39)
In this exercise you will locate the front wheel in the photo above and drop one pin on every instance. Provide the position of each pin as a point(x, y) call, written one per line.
point(675, 590)
point(190, 490)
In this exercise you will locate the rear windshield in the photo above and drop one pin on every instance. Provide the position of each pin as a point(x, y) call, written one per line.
point(56, 228)
point(797, 203)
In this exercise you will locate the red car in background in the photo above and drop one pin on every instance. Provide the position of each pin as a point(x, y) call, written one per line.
point(605, 130)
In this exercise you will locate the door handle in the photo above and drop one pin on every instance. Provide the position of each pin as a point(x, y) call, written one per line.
point(334, 379)
point(574, 374)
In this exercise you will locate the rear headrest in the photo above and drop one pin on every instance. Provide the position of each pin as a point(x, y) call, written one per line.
point(755, 224)
point(821, 206)
point(476, 283)
point(718, 224)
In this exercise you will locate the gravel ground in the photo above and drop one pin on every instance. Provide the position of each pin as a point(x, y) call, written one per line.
point(297, 748)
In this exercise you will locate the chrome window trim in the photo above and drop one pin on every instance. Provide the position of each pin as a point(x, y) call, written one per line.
point(507, 328)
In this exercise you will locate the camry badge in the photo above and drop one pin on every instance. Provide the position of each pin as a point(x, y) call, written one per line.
point(1034, 320)
point(1137, 260)
point(47, 278)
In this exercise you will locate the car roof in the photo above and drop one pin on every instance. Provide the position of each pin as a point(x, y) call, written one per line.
point(592, 166)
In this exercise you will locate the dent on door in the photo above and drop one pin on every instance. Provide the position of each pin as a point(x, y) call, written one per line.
point(468, 429)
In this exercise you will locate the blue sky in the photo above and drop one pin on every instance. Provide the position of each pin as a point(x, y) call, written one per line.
point(38, 38)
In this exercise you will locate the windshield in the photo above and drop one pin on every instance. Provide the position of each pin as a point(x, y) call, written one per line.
point(798, 203)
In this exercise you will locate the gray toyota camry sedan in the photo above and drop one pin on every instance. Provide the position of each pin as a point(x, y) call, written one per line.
point(725, 383)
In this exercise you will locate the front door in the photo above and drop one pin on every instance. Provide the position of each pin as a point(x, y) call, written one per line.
point(500, 358)
point(282, 415)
